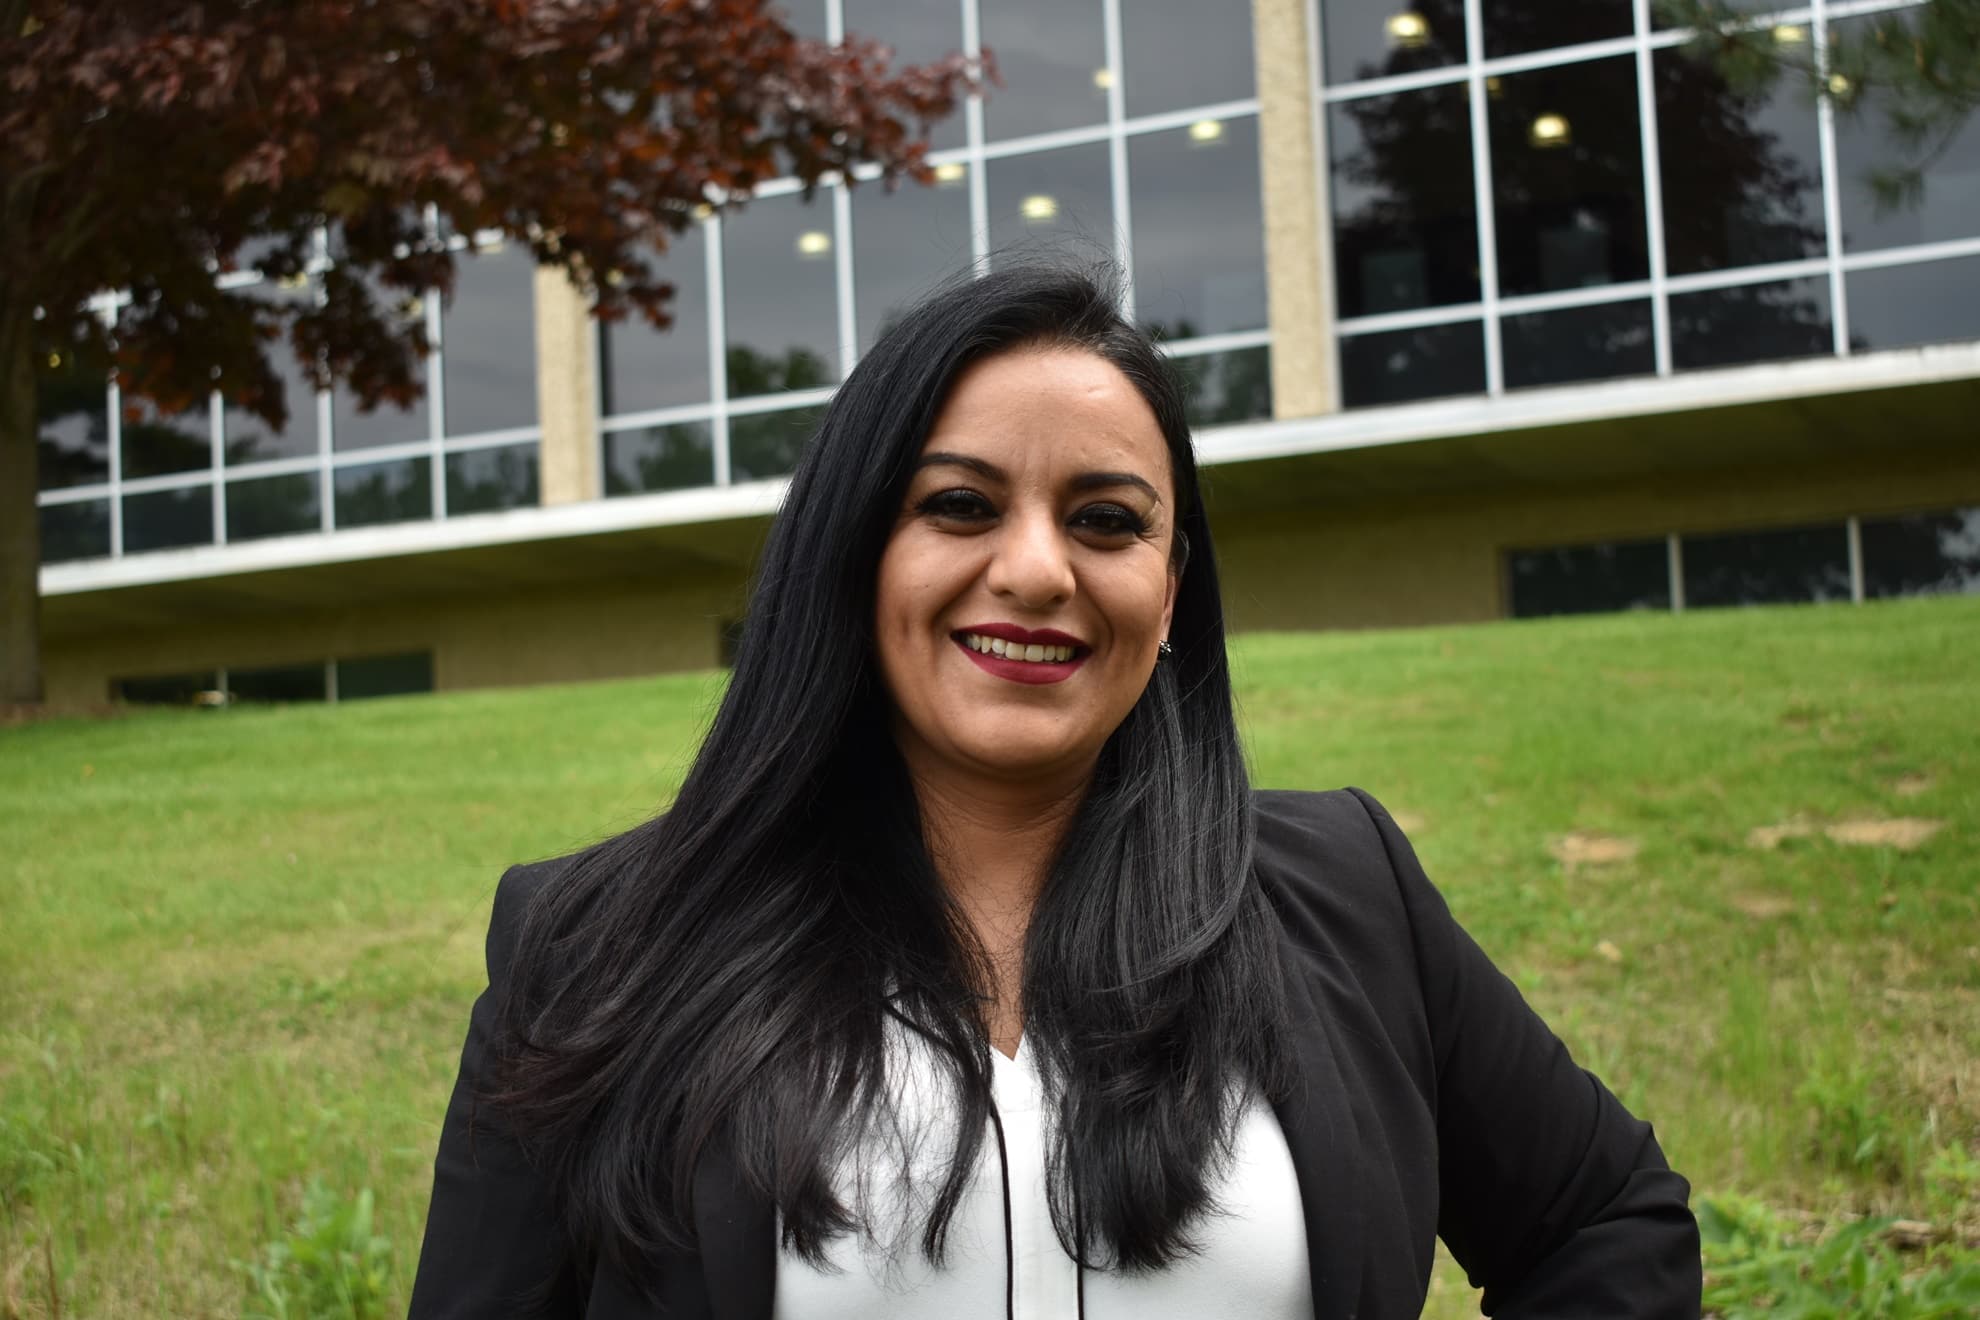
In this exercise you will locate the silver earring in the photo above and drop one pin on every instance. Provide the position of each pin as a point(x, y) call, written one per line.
point(1163, 650)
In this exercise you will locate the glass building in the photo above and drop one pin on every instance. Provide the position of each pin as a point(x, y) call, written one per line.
point(1486, 310)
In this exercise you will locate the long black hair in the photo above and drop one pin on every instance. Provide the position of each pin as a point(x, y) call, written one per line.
point(732, 971)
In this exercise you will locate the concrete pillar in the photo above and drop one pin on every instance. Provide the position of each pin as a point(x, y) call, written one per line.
point(566, 390)
point(1299, 253)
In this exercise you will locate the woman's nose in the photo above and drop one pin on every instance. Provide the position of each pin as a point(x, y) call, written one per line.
point(1031, 565)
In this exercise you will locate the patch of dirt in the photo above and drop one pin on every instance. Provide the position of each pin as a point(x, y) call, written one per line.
point(1769, 837)
point(1590, 848)
point(1409, 822)
point(1763, 907)
point(1911, 785)
point(1901, 832)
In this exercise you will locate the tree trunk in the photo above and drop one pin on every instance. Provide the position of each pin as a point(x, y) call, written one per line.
point(20, 519)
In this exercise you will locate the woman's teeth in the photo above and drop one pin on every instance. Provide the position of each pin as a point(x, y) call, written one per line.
point(1017, 650)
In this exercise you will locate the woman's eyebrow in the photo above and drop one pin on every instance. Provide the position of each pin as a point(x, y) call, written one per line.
point(981, 467)
point(1100, 480)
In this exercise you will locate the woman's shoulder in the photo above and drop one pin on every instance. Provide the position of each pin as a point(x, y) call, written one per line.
point(1333, 864)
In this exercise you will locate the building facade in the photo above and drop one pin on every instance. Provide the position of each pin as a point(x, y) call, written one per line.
point(1488, 309)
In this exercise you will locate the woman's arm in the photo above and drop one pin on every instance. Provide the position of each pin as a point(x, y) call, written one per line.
point(1555, 1200)
point(493, 1243)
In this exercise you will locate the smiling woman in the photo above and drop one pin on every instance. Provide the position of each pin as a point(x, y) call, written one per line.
point(967, 976)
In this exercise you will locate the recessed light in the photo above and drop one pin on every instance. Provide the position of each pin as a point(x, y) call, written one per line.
point(814, 243)
point(1039, 206)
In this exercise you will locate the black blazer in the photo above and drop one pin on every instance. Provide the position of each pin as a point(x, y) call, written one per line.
point(1433, 1102)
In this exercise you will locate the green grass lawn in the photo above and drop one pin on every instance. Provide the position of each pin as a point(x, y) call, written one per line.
point(239, 947)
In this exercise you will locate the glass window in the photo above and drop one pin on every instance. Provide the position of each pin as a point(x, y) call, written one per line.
point(373, 493)
point(1567, 177)
point(72, 419)
point(1751, 323)
point(780, 282)
point(674, 457)
point(1052, 55)
point(1377, 38)
point(1055, 202)
point(355, 427)
point(640, 367)
point(75, 531)
point(1405, 212)
point(1179, 53)
point(1769, 567)
point(763, 445)
point(168, 690)
point(483, 480)
point(1578, 343)
point(1222, 388)
point(1899, 306)
point(1515, 27)
point(279, 683)
point(248, 438)
point(1949, 208)
point(1396, 366)
point(1922, 554)
point(157, 444)
point(274, 506)
point(921, 32)
point(384, 676)
point(168, 519)
point(905, 243)
point(1590, 579)
point(1199, 228)
point(488, 339)
point(1742, 174)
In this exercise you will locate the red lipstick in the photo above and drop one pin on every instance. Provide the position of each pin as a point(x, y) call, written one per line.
point(1022, 671)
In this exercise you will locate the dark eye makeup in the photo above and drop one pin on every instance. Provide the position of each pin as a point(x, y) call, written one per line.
point(960, 504)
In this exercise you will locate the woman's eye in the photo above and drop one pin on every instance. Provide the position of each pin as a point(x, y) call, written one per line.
point(1111, 520)
point(955, 505)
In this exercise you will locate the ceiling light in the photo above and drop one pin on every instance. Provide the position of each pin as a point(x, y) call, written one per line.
point(814, 243)
point(1494, 88)
point(1841, 87)
point(1039, 206)
point(1103, 78)
point(1205, 131)
point(1790, 34)
point(703, 211)
point(951, 171)
point(1407, 30)
point(1549, 130)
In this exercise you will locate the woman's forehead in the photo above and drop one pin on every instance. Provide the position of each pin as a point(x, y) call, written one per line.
point(1051, 408)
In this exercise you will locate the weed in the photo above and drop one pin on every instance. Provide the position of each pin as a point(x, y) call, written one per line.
point(1759, 1263)
point(330, 1265)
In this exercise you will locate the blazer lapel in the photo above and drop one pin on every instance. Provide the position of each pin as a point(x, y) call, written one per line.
point(737, 1234)
point(1323, 1138)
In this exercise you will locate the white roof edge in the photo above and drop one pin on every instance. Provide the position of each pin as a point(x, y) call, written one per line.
point(1361, 429)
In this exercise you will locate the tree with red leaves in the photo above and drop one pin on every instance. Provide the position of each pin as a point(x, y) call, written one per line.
point(147, 144)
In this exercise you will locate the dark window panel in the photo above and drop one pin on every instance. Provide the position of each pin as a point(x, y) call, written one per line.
point(1397, 366)
point(1784, 565)
point(488, 341)
point(640, 367)
point(1199, 229)
point(72, 428)
point(1052, 204)
point(158, 444)
point(1179, 53)
point(1949, 207)
point(778, 277)
point(764, 445)
point(649, 458)
point(920, 32)
point(1379, 38)
point(167, 690)
point(1053, 58)
point(1578, 343)
point(484, 480)
point(1516, 27)
point(1224, 388)
point(168, 519)
point(905, 243)
point(1590, 579)
point(1405, 211)
point(1567, 177)
point(248, 438)
point(1922, 554)
point(274, 506)
point(75, 531)
point(355, 427)
point(1751, 323)
point(278, 683)
point(1901, 306)
point(1741, 173)
point(384, 676)
point(375, 493)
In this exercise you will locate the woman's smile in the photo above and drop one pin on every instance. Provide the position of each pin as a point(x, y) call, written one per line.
point(1023, 655)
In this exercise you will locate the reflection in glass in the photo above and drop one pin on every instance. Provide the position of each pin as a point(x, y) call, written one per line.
point(1399, 365)
point(1751, 323)
point(72, 419)
point(921, 32)
point(1378, 38)
point(763, 445)
point(640, 367)
point(274, 506)
point(1741, 173)
point(1515, 27)
point(75, 531)
point(354, 427)
point(166, 689)
point(1199, 228)
point(1759, 568)
point(1178, 53)
point(904, 244)
point(249, 439)
point(384, 676)
point(1567, 177)
point(1950, 205)
point(1405, 212)
point(1590, 579)
point(1578, 343)
point(374, 493)
point(168, 519)
point(781, 296)
point(647, 458)
point(488, 339)
point(1052, 203)
point(1222, 388)
point(278, 683)
point(1922, 554)
point(1901, 306)
point(484, 480)
point(157, 444)
point(1052, 55)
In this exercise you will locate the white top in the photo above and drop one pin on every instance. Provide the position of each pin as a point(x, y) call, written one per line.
point(1252, 1265)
